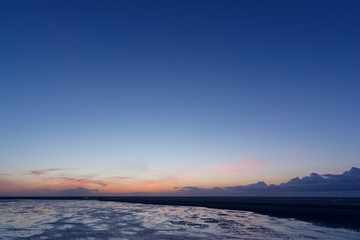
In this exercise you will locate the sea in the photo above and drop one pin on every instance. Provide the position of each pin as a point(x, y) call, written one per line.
point(91, 219)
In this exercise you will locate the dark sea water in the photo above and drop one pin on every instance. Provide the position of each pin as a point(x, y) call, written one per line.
point(71, 219)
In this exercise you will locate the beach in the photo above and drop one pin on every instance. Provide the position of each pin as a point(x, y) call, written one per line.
point(330, 212)
point(55, 219)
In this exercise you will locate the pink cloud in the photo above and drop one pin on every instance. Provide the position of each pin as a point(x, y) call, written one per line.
point(231, 170)
point(243, 166)
point(251, 162)
point(123, 178)
point(81, 181)
point(71, 182)
point(165, 181)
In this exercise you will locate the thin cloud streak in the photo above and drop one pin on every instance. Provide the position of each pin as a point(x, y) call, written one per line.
point(243, 166)
point(71, 181)
point(122, 178)
point(43, 171)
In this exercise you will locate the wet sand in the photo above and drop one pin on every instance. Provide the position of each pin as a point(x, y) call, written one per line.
point(331, 212)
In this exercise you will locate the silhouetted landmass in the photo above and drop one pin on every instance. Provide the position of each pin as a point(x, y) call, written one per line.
point(331, 212)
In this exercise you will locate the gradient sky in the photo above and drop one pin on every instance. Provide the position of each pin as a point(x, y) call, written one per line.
point(149, 96)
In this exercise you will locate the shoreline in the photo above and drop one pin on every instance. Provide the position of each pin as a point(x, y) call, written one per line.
point(328, 212)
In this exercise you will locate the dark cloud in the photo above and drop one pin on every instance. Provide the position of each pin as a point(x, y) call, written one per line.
point(42, 171)
point(346, 184)
point(77, 192)
point(190, 189)
point(348, 181)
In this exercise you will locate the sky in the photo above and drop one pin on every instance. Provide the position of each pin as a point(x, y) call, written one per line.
point(157, 97)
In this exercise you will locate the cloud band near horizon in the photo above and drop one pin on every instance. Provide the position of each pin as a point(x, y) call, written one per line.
point(346, 184)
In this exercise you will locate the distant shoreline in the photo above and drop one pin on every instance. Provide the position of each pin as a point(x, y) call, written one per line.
point(330, 212)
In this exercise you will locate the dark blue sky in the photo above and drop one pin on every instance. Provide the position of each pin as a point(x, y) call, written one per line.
point(173, 84)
